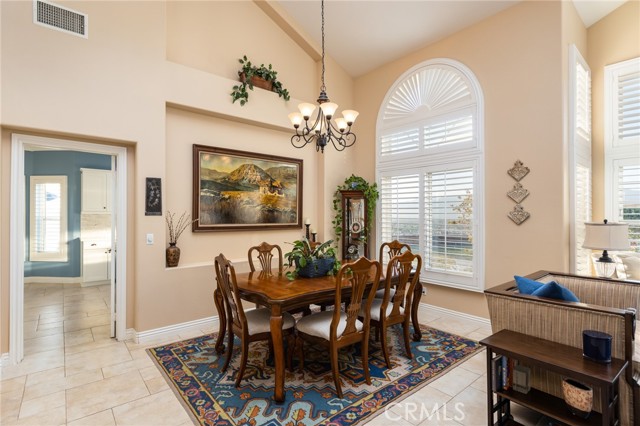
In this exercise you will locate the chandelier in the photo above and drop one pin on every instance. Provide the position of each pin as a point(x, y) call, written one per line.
point(323, 131)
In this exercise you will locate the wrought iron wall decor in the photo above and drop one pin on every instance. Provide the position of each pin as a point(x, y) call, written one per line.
point(518, 193)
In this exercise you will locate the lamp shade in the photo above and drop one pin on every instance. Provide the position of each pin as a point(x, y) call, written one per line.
point(606, 236)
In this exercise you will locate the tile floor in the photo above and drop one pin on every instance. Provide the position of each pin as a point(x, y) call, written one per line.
point(74, 374)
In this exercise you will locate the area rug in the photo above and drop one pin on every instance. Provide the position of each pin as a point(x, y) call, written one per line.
point(192, 369)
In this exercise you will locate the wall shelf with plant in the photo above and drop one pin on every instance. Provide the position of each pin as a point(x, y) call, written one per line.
point(261, 76)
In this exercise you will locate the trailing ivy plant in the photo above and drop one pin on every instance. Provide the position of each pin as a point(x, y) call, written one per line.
point(371, 194)
point(249, 70)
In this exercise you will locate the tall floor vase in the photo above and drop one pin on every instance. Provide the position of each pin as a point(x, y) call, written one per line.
point(173, 255)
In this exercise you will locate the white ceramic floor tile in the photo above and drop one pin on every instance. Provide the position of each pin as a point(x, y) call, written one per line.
point(103, 418)
point(454, 381)
point(92, 398)
point(159, 409)
point(41, 404)
point(97, 358)
point(12, 385)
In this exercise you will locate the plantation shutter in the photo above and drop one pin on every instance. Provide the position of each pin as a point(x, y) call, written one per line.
point(400, 209)
point(400, 142)
point(47, 219)
point(628, 200)
point(580, 161)
point(582, 215)
point(627, 114)
point(449, 131)
point(448, 221)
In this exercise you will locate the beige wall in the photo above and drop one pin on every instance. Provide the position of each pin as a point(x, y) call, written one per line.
point(516, 56)
point(159, 80)
point(615, 38)
point(114, 87)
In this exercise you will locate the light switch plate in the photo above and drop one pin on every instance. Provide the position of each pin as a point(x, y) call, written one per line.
point(149, 239)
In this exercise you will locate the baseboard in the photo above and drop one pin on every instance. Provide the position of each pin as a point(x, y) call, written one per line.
point(94, 283)
point(170, 330)
point(450, 312)
point(52, 280)
point(4, 359)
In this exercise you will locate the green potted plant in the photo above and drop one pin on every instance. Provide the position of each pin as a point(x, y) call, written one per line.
point(311, 262)
point(262, 76)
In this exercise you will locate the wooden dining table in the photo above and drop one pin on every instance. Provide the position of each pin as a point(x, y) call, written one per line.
point(279, 294)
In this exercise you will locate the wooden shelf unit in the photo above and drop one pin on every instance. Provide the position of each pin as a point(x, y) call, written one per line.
point(562, 359)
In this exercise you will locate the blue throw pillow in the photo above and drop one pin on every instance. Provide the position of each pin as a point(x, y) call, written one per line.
point(553, 290)
point(527, 285)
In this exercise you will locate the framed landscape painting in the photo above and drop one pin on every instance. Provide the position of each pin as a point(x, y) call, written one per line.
point(243, 190)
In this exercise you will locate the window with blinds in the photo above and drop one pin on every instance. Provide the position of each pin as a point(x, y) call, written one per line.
point(448, 221)
point(622, 146)
point(580, 160)
point(628, 108)
point(48, 212)
point(400, 209)
point(628, 201)
point(430, 171)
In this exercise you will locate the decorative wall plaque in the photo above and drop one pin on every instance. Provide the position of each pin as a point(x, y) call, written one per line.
point(518, 171)
point(518, 193)
point(518, 214)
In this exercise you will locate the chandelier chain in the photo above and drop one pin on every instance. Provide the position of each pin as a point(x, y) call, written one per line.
point(323, 88)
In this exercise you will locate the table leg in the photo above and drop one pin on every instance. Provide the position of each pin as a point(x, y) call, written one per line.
point(276, 337)
point(222, 319)
point(415, 305)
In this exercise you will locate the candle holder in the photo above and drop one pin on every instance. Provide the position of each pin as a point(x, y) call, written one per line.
point(313, 236)
point(307, 225)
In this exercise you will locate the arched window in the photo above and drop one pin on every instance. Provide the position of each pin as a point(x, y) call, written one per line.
point(430, 171)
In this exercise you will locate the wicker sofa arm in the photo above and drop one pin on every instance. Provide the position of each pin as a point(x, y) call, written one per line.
point(563, 322)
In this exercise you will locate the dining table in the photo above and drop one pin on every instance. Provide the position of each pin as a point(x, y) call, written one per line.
point(281, 294)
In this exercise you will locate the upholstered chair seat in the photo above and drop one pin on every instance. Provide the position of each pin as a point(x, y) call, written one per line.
point(259, 321)
point(375, 309)
point(319, 324)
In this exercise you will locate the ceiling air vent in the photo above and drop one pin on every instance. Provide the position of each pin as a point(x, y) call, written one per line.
point(60, 18)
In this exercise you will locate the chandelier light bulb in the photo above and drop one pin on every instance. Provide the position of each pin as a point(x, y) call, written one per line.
point(296, 119)
point(306, 110)
point(342, 124)
point(350, 115)
point(328, 108)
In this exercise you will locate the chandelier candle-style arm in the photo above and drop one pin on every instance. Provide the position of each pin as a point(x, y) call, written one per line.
point(323, 130)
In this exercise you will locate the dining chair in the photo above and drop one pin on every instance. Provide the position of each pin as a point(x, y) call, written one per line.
point(395, 308)
point(265, 256)
point(340, 328)
point(250, 326)
point(390, 249)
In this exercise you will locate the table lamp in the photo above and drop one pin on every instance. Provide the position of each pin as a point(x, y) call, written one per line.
point(606, 236)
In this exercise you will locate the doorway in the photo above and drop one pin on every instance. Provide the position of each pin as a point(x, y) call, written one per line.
point(107, 299)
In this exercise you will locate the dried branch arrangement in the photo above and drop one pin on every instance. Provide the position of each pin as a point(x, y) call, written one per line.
point(177, 228)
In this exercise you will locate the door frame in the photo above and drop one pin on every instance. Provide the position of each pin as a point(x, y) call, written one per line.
point(17, 231)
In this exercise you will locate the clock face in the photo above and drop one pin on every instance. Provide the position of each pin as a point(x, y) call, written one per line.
point(352, 249)
point(356, 227)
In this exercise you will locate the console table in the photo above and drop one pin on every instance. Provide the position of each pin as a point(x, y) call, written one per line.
point(562, 359)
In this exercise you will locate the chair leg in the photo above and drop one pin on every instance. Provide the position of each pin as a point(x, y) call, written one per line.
point(229, 349)
point(300, 349)
point(365, 358)
point(385, 348)
point(243, 361)
point(334, 369)
point(407, 343)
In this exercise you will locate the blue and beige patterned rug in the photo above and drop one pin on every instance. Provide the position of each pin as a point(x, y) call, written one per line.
point(192, 368)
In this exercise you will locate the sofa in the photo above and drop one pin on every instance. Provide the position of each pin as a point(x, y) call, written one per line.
point(605, 305)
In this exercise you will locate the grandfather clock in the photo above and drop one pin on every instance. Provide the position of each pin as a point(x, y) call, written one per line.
point(354, 219)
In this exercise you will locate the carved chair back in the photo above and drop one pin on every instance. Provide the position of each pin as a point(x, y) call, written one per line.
point(358, 274)
point(227, 284)
point(404, 283)
point(265, 256)
point(392, 249)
